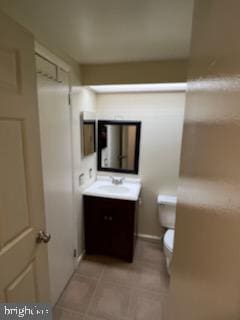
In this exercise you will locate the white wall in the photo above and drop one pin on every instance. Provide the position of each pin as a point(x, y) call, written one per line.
point(162, 120)
point(83, 99)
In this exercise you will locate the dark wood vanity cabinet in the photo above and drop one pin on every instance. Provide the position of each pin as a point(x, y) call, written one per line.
point(110, 226)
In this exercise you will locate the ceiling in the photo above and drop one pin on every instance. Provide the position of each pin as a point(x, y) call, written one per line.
point(103, 31)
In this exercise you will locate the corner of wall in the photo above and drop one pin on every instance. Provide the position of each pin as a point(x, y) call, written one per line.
point(83, 99)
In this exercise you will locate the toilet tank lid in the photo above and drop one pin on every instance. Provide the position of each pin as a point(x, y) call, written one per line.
point(166, 199)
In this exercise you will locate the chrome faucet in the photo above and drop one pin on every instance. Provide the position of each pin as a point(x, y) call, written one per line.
point(117, 180)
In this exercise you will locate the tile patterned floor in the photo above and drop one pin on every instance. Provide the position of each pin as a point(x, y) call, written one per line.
point(104, 288)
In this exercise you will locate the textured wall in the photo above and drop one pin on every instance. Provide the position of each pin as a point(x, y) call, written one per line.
point(206, 266)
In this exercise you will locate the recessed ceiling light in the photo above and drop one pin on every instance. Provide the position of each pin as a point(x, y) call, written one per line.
point(154, 87)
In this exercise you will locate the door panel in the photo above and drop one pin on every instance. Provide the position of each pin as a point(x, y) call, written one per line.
point(9, 69)
point(107, 230)
point(97, 235)
point(23, 263)
point(23, 288)
point(122, 229)
point(15, 215)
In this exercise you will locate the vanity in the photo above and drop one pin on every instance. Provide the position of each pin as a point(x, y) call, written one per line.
point(110, 217)
point(111, 203)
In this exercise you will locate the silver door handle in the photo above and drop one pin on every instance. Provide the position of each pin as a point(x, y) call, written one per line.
point(43, 237)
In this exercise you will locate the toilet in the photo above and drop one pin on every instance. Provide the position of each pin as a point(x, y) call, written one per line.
point(167, 218)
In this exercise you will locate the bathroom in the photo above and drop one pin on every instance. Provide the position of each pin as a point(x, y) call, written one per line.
point(160, 113)
point(156, 110)
point(119, 158)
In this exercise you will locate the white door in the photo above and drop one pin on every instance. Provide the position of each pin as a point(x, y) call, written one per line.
point(54, 113)
point(23, 262)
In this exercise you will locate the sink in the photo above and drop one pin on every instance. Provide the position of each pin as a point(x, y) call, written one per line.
point(114, 188)
point(103, 187)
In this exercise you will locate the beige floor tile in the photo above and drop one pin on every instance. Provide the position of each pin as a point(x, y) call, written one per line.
point(91, 268)
point(78, 293)
point(97, 318)
point(122, 273)
point(102, 287)
point(64, 314)
point(147, 306)
point(152, 277)
point(110, 301)
point(97, 258)
point(149, 251)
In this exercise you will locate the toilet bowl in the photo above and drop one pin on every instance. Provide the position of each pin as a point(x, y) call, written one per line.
point(168, 245)
point(167, 217)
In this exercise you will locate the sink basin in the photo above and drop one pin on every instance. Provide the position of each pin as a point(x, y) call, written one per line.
point(114, 188)
point(103, 187)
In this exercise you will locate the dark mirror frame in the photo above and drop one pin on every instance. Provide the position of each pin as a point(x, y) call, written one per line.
point(102, 143)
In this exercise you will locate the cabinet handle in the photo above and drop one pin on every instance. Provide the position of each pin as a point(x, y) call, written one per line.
point(108, 218)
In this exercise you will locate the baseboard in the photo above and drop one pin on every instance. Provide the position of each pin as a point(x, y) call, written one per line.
point(139, 235)
point(149, 237)
point(80, 258)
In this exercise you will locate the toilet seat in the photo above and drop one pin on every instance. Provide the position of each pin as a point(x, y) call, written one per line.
point(168, 239)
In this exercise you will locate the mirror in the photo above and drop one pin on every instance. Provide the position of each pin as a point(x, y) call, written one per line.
point(118, 146)
point(89, 145)
point(88, 133)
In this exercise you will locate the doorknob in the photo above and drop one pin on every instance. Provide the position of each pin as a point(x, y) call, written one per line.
point(43, 237)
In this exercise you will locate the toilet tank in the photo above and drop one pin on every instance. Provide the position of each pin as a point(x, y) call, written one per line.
point(167, 210)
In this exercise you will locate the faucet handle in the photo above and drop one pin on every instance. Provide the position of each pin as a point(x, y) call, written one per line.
point(114, 180)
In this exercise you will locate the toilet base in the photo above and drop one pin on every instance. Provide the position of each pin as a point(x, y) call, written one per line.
point(168, 256)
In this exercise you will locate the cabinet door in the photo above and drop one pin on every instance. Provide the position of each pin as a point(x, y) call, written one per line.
point(122, 221)
point(109, 226)
point(96, 226)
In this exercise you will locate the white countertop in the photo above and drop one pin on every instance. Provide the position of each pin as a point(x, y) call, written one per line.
point(103, 187)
